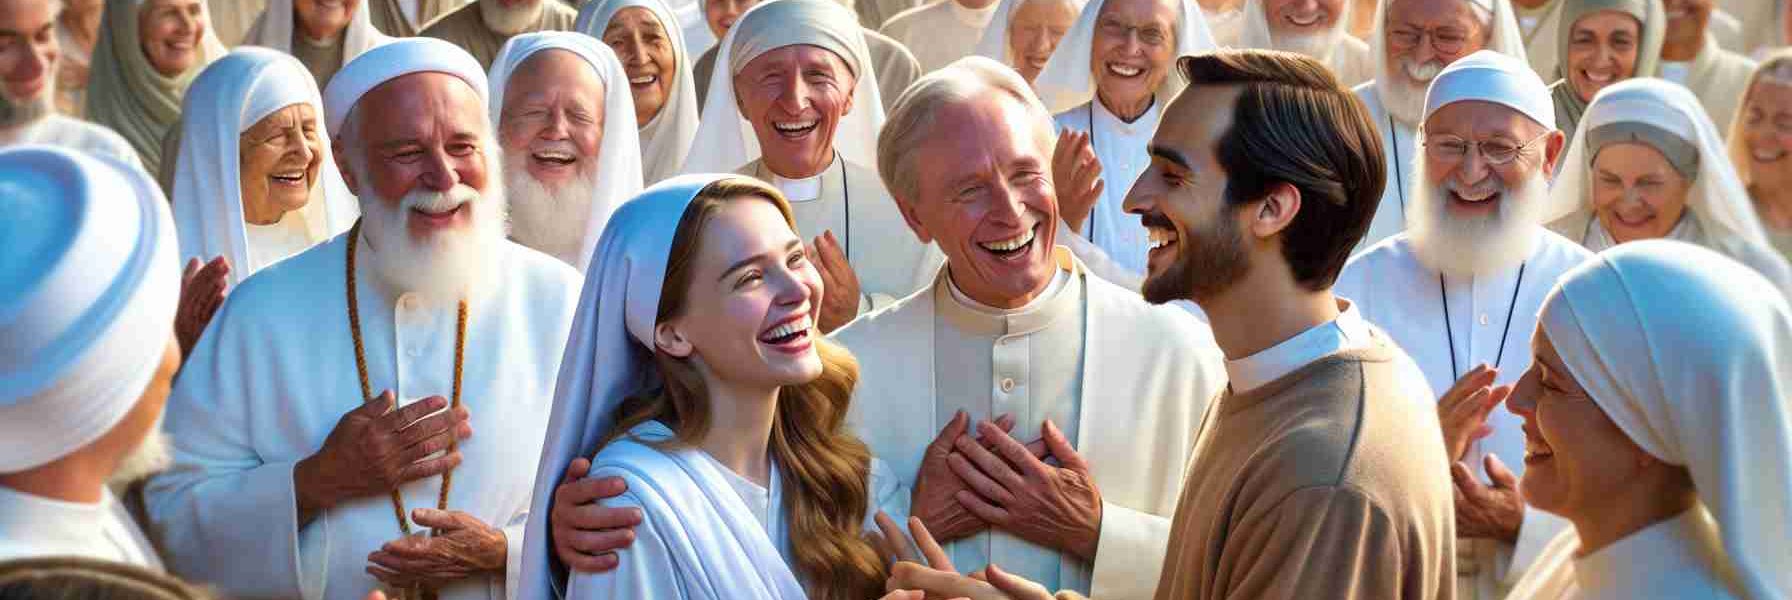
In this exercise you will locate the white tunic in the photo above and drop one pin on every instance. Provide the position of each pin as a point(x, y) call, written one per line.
point(1399, 150)
point(1490, 321)
point(276, 371)
point(1121, 147)
point(35, 526)
point(1674, 559)
point(939, 32)
point(1151, 368)
point(1717, 76)
point(58, 130)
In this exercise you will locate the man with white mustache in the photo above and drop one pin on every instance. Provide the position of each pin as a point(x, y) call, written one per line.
point(1316, 28)
point(392, 380)
point(1460, 290)
point(1413, 41)
point(482, 27)
point(30, 53)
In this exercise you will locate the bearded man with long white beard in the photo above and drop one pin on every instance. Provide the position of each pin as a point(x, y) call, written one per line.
point(482, 27)
point(1316, 28)
point(30, 53)
point(1461, 288)
point(1413, 41)
point(388, 381)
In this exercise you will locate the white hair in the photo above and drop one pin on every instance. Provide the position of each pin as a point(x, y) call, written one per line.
point(1463, 247)
point(911, 120)
point(549, 219)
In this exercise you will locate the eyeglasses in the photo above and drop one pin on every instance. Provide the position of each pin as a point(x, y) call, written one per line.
point(1499, 153)
point(1149, 35)
point(1446, 40)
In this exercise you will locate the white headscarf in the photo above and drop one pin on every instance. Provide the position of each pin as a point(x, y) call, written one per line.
point(1505, 38)
point(608, 358)
point(126, 94)
point(274, 29)
point(229, 97)
point(404, 56)
point(619, 154)
point(725, 140)
point(1690, 354)
point(1067, 82)
point(994, 43)
point(667, 136)
point(1255, 32)
point(1489, 76)
point(87, 297)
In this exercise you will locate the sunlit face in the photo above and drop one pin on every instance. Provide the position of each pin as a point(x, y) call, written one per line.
point(721, 14)
point(280, 156)
point(795, 97)
point(640, 40)
point(1767, 131)
point(553, 108)
point(423, 132)
point(325, 19)
point(1424, 36)
point(28, 56)
point(169, 32)
point(1134, 45)
point(986, 199)
point(1576, 459)
point(1637, 194)
point(1302, 17)
point(750, 311)
point(1034, 32)
point(1602, 50)
point(1687, 18)
point(1198, 248)
point(1463, 140)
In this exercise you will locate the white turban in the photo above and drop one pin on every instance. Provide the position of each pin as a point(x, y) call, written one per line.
point(402, 57)
point(1690, 354)
point(1504, 37)
point(273, 29)
point(666, 137)
point(725, 140)
point(1067, 81)
point(619, 153)
point(88, 286)
point(230, 96)
point(1489, 76)
point(994, 43)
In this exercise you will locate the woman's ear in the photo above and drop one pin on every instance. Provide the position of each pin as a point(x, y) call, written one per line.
point(668, 339)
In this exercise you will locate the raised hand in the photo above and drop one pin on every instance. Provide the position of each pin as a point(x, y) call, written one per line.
point(459, 547)
point(377, 447)
point(202, 290)
point(587, 534)
point(1015, 491)
point(1076, 177)
point(1463, 410)
point(840, 285)
point(1487, 511)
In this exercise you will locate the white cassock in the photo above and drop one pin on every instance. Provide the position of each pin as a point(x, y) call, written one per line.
point(35, 526)
point(1087, 355)
point(1717, 76)
point(274, 373)
point(939, 32)
point(1490, 320)
point(74, 134)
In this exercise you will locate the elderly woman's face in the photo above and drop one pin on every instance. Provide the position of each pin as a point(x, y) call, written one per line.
point(795, 97)
point(554, 111)
point(169, 32)
point(1602, 50)
point(1767, 131)
point(1134, 45)
point(720, 15)
point(1034, 32)
point(1637, 194)
point(279, 159)
point(640, 40)
point(324, 19)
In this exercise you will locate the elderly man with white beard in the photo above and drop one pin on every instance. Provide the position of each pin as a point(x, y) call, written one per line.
point(1461, 288)
point(1413, 41)
point(388, 381)
point(29, 55)
point(565, 122)
point(482, 27)
point(1316, 28)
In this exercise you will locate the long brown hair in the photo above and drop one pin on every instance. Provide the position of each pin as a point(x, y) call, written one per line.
point(823, 467)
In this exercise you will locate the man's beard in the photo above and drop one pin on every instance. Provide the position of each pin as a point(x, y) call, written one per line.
point(15, 113)
point(551, 220)
point(1315, 45)
point(512, 20)
point(1404, 87)
point(151, 456)
point(444, 268)
point(1207, 262)
point(1464, 246)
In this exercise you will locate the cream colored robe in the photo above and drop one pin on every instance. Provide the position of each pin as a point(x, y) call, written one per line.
point(1146, 374)
point(231, 19)
point(1351, 62)
point(388, 15)
point(939, 32)
point(1677, 558)
point(464, 27)
point(1719, 78)
point(874, 13)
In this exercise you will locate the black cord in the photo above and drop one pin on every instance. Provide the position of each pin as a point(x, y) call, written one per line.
point(1450, 333)
point(846, 195)
point(1399, 178)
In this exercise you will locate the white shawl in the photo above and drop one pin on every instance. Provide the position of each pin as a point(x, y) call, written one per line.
point(1067, 82)
point(994, 43)
point(274, 29)
point(666, 137)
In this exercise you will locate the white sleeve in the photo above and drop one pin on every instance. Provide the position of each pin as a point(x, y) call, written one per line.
point(645, 570)
point(1130, 554)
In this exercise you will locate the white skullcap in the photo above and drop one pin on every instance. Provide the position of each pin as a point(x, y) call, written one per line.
point(1490, 76)
point(88, 287)
point(391, 61)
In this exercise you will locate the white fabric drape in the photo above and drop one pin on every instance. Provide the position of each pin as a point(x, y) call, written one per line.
point(127, 94)
point(666, 137)
point(1690, 354)
point(619, 154)
point(232, 95)
point(1346, 56)
point(274, 29)
point(994, 43)
point(725, 141)
point(1067, 82)
point(1505, 38)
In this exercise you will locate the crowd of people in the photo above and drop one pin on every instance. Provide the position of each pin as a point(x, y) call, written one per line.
point(896, 299)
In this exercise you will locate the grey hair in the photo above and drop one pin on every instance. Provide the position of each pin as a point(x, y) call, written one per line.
point(911, 120)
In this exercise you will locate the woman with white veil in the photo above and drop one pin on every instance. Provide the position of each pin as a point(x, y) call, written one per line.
point(1646, 162)
point(148, 52)
point(1761, 146)
point(666, 109)
point(1024, 33)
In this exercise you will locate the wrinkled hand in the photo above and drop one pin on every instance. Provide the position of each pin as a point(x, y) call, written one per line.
point(202, 291)
point(1076, 177)
point(460, 547)
point(924, 571)
point(587, 534)
point(840, 285)
point(1463, 410)
point(1483, 511)
point(374, 449)
point(1014, 491)
point(934, 499)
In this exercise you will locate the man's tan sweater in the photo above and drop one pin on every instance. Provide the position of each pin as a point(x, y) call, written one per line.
point(1330, 482)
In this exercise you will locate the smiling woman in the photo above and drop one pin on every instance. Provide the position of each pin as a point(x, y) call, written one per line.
point(659, 70)
point(1606, 41)
point(148, 52)
point(1761, 146)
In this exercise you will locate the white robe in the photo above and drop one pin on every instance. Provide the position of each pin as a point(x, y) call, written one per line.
point(1674, 559)
point(1404, 298)
point(1146, 375)
point(1717, 76)
point(58, 130)
point(276, 371)
point(1121, 147)
point(35, 526)
point(1398, 147)
point(939, 32)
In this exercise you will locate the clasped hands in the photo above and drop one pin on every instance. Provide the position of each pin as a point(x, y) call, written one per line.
point(967, 484)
